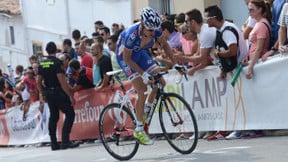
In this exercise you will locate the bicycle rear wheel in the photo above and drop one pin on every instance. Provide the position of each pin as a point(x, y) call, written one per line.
point(116, 128)
point(178, 123)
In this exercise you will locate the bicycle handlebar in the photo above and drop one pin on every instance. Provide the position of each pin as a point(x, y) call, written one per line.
point(182, 70)
point(112, 73)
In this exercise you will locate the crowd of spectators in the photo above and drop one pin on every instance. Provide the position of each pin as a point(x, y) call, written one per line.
point(193, 37)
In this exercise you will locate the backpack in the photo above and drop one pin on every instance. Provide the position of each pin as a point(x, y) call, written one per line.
point(227, 64)
point(271, 43)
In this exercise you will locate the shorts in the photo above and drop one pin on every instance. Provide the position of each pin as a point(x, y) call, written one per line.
point(142, 59)
point(25, 95)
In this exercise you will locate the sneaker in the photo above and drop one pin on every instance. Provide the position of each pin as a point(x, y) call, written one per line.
point(181, 137)
point(233, 135)
point(251, 134)
point(192, 137)
point(208, 134)
point(217, 136)
point(142, 137)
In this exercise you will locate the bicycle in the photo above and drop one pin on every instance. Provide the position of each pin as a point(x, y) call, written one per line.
point(177, 123)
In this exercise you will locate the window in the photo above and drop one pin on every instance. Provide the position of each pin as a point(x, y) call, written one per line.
point(165, 6)
point(162, 6)
point(37, 49)
point(12, 35)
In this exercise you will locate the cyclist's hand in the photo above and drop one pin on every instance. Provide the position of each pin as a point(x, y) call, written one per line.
point(146, 78)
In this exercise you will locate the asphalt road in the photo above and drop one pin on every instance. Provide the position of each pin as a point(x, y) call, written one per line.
point(264, 149)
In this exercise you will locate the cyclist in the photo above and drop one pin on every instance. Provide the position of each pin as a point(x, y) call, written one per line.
point(135, 61)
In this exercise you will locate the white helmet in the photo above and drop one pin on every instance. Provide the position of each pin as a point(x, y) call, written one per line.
point(150, 18)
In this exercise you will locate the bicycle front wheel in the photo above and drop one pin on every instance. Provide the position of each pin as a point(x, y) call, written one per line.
point(116, 126)
point(178, 123)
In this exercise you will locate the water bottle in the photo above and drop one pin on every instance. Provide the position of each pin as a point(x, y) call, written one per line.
point(236, 74)
point(10, 70)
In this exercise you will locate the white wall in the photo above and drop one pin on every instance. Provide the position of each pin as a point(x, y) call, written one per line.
point(109, 11)
point(55, 22)
point(12, 54)
point(235, 10)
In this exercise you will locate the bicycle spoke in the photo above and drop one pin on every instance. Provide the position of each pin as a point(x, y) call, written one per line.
point(116, 132)
point(178, 123)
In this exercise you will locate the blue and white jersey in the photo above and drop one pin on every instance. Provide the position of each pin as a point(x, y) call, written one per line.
point(131, 39)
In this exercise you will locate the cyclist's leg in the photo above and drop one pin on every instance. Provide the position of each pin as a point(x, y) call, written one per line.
point(152, 95)
point(140, 88)
point(151, 68)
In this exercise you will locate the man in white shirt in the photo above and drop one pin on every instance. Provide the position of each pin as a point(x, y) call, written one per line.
point(206, 37)
point(230, 43)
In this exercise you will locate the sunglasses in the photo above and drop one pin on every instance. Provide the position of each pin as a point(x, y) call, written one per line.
point(150, 30)
point(208, 18)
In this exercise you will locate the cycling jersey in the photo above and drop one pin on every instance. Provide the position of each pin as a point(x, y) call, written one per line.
point(131, 39)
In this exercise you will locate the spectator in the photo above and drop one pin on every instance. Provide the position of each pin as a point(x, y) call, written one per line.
point(172, 36)
point(104, 63)
point(105, 33)
point(32, 59)
point(86, 59)
point(112, 43)
point(206, 37)
point(180, 20)
point(259, 37)
point(100, 39)
point(8, 94)
point(121, 27)
point(97, 25)
point(84, 76)
point(16, 99)
point(19, 72)
point(173, 39)
point(171, 18)
point(35, 67)
point(30, 93)
point(67, 48)
point(76, 35)
point(29, 82)
point(230, 50)
point(189, 43)
point(283, 22)
point(65, 58)
point(230, 45)
point(248, 25)
point(277, 6)
point(94, 35)
point(114, 27)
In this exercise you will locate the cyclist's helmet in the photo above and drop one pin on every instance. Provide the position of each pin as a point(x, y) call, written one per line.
point(150, 18)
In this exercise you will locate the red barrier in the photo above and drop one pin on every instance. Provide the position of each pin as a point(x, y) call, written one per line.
point(89, 105)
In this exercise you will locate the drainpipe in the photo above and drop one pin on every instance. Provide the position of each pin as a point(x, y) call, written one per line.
point(69, 30)
point(27, 43)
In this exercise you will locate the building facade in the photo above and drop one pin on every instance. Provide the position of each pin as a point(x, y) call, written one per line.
point(25, 32)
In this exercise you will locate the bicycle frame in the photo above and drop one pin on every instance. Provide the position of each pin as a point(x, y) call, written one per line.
point(160, 95)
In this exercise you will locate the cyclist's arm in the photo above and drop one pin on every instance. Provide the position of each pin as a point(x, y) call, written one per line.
point(127, 56)
point(166, 48)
